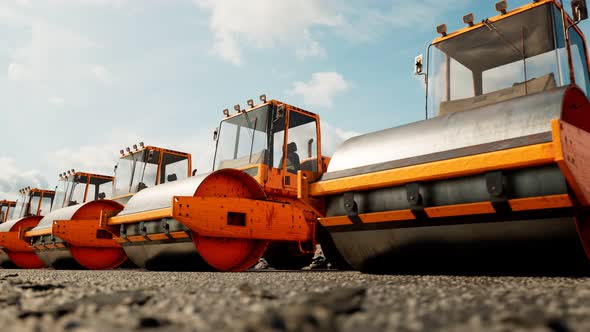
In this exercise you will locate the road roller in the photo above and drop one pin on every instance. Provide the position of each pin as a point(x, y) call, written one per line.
point(32, 204)
point(497, 178)
point(156, 237)
point(74, 193)
point(81, 233)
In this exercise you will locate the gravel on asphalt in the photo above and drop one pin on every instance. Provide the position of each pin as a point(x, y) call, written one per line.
point(130, 300)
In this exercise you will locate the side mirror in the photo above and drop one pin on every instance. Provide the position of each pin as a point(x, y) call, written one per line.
point(419, 65)
point(102, 196)
point(579, 10)
point(171, 177)
point(194, 172)
point(215, 134)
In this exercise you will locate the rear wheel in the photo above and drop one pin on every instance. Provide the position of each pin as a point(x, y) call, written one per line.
point(287, 256)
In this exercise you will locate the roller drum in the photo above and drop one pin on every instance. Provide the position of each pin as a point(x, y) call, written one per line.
point(166, 255)
point(171, 256)
point(544, 241)
point(58, 258)
point(70, 256)
point(545, 246)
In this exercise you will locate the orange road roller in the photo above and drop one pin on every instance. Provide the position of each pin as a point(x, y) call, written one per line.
point(498, 178)
point(27, 213)
point(155, 236)
point(81, 195)
point(81, 232)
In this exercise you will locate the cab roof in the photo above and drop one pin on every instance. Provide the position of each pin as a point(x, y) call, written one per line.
point(155, 148)
point(272, 102)
point(96, 179)
point(499, 17)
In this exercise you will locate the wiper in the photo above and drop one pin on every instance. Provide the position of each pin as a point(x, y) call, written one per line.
point(493, 28)
point(252, 142)
point(521, 54)
point(251, 134)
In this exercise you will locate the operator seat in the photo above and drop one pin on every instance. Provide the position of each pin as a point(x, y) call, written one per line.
point(293, 162)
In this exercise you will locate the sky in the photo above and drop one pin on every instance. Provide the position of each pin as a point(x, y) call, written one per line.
point(81, 79)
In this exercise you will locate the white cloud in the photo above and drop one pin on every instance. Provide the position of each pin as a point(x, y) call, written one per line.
point(101, 73)
point(12, 178)
point(53, 52)
point(101, 158)
point(55, 100)
point(95, 158)
point(310, 48)
point(95, 3)
point(365, 23)
point(321, 89)
point(18, 72)
point(238, 24)
point(333, 136)
point(264, 23)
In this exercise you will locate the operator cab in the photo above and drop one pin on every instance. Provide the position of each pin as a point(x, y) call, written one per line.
point(79, 187)
point(33, 202)
point(6, 210)
point(516, 53)
point(146, 167)
point(274, 135)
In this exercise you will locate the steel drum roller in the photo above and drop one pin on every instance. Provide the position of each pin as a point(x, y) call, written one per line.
point(74, 256)
point(545, 240)
point(176, 255)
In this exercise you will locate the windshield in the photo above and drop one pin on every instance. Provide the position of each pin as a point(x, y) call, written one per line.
point(11, 212)
point(39, 204)
point(61, 192)
point(18, 210)
point(78, 192)
point(243, 140)
point(146, 170)
point(140, 170)
point(513, 57)
point(174, 167)
point(3, 211)
point(123, 176)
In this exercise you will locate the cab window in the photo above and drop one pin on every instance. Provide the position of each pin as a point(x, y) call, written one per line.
point(579, 60)
point(174, 168)
point(302, 153)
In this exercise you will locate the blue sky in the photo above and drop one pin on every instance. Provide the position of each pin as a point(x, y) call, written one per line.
point(81, 79)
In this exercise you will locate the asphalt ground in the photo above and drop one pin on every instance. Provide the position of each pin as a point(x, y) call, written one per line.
point(123, 300)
